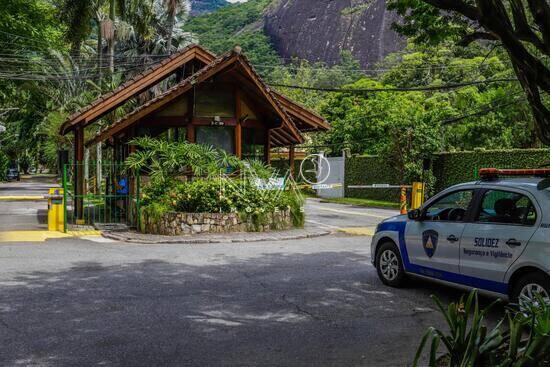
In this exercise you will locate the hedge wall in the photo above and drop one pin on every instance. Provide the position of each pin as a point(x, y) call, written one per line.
point(368, 170)
point(452, 168)
point(448, 169)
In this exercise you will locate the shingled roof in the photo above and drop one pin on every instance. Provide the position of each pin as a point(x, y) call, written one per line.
point(294, 117)
point(136, 85)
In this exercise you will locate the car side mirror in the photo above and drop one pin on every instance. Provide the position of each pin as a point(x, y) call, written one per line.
point(415, 214)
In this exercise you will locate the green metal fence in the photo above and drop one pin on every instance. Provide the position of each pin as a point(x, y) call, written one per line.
point(110, 195)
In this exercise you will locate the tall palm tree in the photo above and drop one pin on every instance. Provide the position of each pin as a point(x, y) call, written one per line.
point(77, 15)
point(173, 9)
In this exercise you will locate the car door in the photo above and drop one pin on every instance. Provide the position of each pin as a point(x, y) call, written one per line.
point(434, 241)
point(504, 221)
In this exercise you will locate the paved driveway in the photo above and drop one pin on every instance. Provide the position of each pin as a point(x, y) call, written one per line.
point(20, 213)
point(78, 302)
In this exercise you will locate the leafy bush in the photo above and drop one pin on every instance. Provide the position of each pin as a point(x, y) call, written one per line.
point(193, 178)
point(457, 167)
point(525, 342)
point(224, 195)
point(4, 165)
point(447, 169)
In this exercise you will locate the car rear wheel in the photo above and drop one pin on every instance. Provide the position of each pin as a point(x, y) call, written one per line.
point(529, 285)
point(389, 265)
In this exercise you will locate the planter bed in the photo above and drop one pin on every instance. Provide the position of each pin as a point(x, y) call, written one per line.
point(176, 224)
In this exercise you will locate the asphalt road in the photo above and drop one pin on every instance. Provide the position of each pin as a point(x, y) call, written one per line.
point(78, 302)
point(27, 214)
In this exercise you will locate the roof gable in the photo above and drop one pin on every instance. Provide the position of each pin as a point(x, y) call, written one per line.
point(234, 59)
point(136, 85)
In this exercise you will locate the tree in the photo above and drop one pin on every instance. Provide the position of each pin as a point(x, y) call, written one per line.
point(174, 8)
point(521, 27)
point(401, 128)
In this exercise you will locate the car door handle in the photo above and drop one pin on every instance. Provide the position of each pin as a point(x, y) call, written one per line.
point(452, 238)
point(513, 242)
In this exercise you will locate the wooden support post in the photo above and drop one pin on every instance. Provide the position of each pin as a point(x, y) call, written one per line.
point(79, 173)
point(291, 159)
point(191, 132)
point(267, 151)
point(238, 127)
point(238, 140)
point(190, 135)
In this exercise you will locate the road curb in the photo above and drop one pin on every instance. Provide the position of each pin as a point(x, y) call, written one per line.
point(131, 237)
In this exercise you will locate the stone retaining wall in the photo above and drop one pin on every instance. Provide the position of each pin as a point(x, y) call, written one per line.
point(175, 224)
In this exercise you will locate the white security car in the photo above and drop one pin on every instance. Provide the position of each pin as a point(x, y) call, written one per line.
point(493, 235)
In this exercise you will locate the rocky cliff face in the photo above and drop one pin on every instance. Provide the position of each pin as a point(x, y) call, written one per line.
point(199, 7)
point(318, 30)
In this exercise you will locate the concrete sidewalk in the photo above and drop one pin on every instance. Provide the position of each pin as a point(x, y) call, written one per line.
point(294, 234)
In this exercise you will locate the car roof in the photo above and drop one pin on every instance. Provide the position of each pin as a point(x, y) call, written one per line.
point(526, 183)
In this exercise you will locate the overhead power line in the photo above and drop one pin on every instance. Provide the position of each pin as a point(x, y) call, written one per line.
point(483, 111)
point(410, 89)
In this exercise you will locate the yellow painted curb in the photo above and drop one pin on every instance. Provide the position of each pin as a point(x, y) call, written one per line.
point(22, 198)
point(84, 233)
point(361, 214)
point(358, 231)
point(41, 236)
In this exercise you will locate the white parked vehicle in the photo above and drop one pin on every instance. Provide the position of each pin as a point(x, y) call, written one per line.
point(493, 235)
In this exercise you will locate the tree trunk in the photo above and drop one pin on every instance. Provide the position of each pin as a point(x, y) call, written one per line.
point(99, 52)
point(171, 22)
point(112, 38)
point(75, 50)
point(532, 73)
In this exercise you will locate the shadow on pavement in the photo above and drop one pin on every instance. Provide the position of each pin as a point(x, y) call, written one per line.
point(236, 313)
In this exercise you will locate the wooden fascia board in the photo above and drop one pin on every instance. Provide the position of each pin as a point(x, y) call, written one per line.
point(178, 91)
point(306, 118)
point(288, 137)
point(276, 133)
point(275, 140)
point(137, 87)
point(304, 114)
point(262, 87)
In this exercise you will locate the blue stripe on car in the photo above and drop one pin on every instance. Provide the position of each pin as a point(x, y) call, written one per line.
point(448, 276)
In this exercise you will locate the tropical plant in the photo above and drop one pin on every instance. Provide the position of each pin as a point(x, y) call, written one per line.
point(164, 160)
point(469, 343)
point(4, 165)
point(521, 28)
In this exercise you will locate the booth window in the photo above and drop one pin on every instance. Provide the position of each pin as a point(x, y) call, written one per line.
point(221, 137)
point(253, 143)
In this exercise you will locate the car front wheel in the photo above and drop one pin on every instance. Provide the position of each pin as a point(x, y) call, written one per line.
point(528, 286)
point(389, 265)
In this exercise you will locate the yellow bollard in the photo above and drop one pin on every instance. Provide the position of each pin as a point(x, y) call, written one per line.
point(417, 197)
point(403, 200)
point(56, 217)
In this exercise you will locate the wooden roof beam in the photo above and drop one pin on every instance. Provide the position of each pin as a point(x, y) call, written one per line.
point(138, 84)
point(164, 99)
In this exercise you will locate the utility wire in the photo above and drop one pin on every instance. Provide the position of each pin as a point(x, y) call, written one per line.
point(411, 89)
point(488, 108)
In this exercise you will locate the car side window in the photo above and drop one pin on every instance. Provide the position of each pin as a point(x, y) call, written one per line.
point(504, 207)
point(451, 208)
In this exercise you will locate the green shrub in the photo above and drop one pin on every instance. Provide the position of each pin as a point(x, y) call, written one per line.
point(521, 339)
point(447, 169)
point(223, 195)
point(4, 165)
point(453, 168)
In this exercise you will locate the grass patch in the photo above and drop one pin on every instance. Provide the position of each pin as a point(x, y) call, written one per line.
point(364, 202)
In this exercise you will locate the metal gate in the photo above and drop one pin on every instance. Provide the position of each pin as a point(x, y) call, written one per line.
point(331, 172)
point(110, 195)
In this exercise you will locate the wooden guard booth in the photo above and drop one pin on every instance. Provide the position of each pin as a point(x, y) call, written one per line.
point(196, 96)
